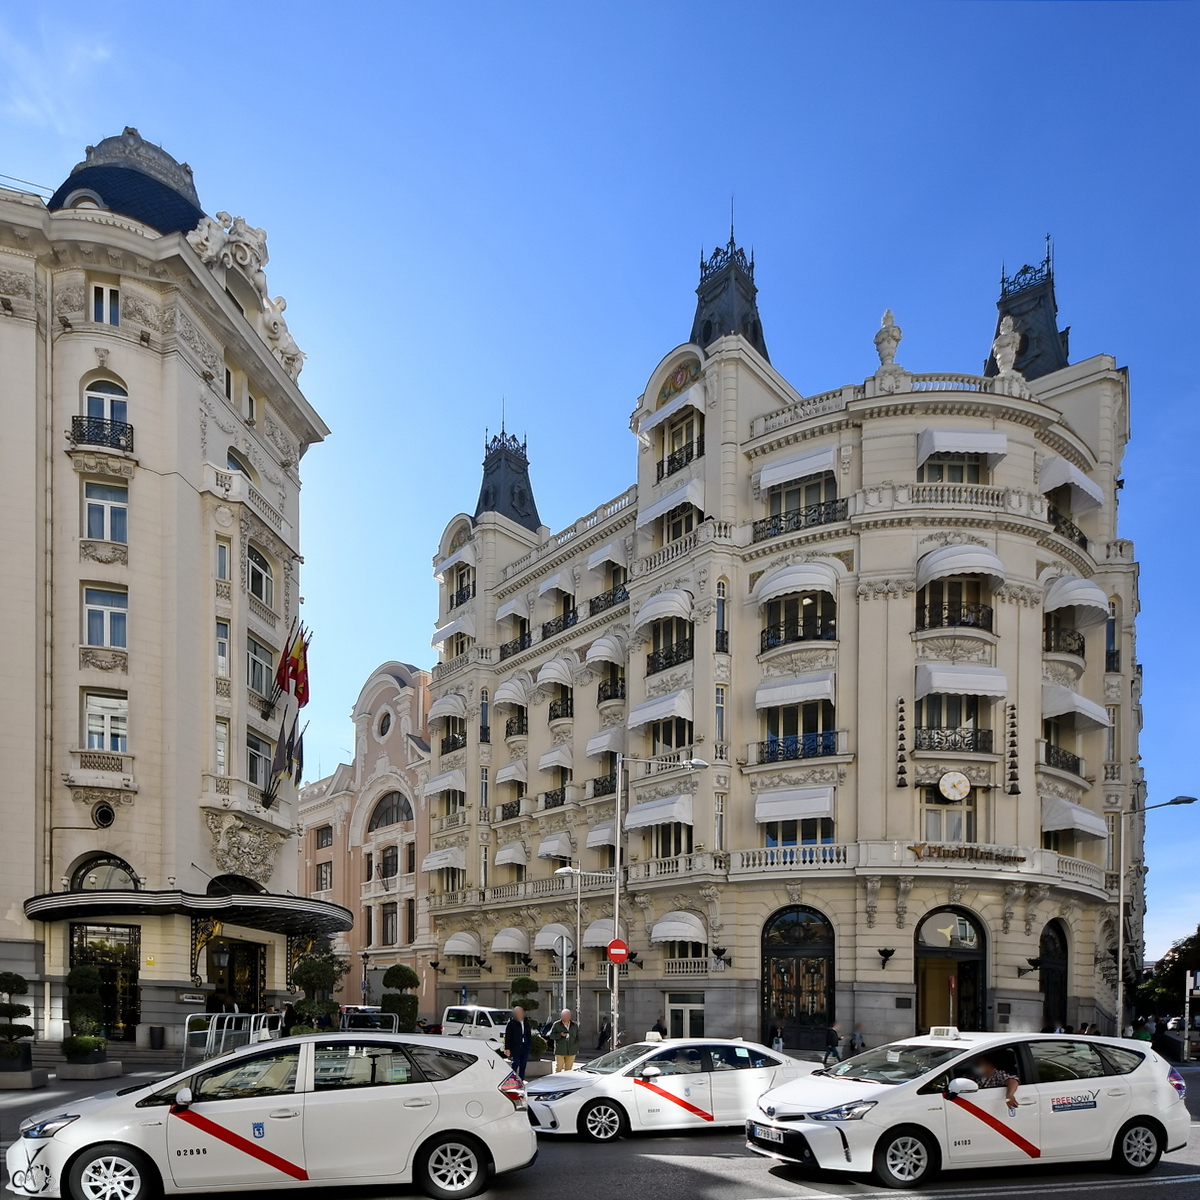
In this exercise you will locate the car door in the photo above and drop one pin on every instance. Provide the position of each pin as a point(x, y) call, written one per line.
point(367, 1110)
point(1082, 1104)
point(679, 1094)
point(737, 1077)
point(244, 1124)
point(980, 1130)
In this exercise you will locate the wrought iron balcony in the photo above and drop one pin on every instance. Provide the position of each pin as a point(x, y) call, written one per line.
point(1112, 660)
point(485, 735)
point(610, 689)
point(1064, 641)
point(1064, 760)
point(786, 632)
point(1067, 528)
point(722, 641)
point(801, 745)
point(516, 645)
point(562, 708)
point(510, 809)
point(670, 656)
point(462, 595)
point(453, 741)
point(559, 623)
point(517, 726)
point(609, 599)
point(96, 431)
point(943, 616)
point(605, 785)
point(973, 741)
point(555, 798)
point(678, 459)
point(799, 518)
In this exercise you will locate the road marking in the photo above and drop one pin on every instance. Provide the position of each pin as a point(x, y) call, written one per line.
point(998, 1125)
point(239, 1143)
point(1038, 1188)
point(674, 1099)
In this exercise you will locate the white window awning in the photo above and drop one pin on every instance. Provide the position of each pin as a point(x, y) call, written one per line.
point(960, 680)
point(692, 397)
point(513, 691)
point(447, 781)
point(602, 835)
point(607, 741)
point(610, 648)
point(550, 937)
point(462, 554)
point(512, 855)
point(801, 689)
point(1085, 597)
point(962, 441)
point(679, 927)
point(816, 462)
point(464, 943)
point(448, 706)
point(464, 624)
point(691, 492)
point(514, 772)
point(793, 804)
point(666, 811)
point(514, 606)
point(452, 856)
point(1085, 492)
point(612, 552)
point(799, 577)
point(962, 559)
point(662, 708)
point(510, 941)
point(557, 670)
point(674, 602)
point(1058, 813)
point(599, 933)
point(1059, 701)
point(559, 756)
point(560, 581)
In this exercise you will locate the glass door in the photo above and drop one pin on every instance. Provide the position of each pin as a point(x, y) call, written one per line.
point(115, 951)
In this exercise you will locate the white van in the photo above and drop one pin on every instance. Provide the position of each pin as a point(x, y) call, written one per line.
point(475, 1021)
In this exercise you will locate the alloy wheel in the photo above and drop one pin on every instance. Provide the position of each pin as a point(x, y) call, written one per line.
point(110, 1177)
point(1139, 1146)
point(603, 1122)
point(907, 1159)
point(454, 1166)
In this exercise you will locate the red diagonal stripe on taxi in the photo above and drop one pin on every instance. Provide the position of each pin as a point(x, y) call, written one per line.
point(239, 1143)
point(674, 1099)
point(999, 1126)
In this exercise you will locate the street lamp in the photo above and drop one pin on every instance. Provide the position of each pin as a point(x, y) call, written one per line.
point(366, 981)
point(579, 873)
point(1121, 906)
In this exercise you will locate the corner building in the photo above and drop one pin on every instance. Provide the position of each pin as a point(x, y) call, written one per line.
point(897, 621)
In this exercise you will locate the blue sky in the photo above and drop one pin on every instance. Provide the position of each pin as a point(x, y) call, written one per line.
point(474, 201)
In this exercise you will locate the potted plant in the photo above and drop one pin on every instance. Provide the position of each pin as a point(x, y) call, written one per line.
point(85, 1012)
point(523, 991)
point(15, 1055)
point(401, 978)
point(318, 972)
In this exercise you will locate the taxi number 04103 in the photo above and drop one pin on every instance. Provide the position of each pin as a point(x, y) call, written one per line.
point(188, 1153)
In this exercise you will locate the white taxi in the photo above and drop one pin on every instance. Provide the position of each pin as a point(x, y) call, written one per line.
point(684, 1083)
point(955, 1100)
point(316, 1110)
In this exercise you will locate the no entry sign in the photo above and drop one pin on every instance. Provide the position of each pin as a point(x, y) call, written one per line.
point(618, 951)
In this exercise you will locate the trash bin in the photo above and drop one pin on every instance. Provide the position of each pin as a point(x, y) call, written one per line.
point(158, 1037)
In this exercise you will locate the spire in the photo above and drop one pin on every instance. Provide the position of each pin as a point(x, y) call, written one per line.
point(1028, 298)
point(727, 298)
point(506, 488)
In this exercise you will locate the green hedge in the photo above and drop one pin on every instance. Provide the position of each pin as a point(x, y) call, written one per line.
point(404, 1006)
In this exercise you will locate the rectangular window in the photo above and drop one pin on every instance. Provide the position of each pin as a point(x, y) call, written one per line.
point(410, 857)
point(258, 759)
point(1112, 847)
point(670, 735)
point(720, 714)
point(106, 305)
point(223, 649)
point(222, 558)
point(1112, 735)
point(222, 747)
point(947, 820)
point(410, 921)
point(679, 522)
point(483, 866)
point(324, 837)
point(107, 512)
point(324, 876)
point(228, 384)
point(105, 617)
point(952, 467)
point(251, 409)
point(799, 502)
point(389, 931)
point(455, 802)
point(368, 867)
point(483, 787)
point(368, 926)
point(260, 577)
point(718, 822)
point(810, 831)
point(453, 879)
point(672, 840)
point(107, 722)
point(260, 666)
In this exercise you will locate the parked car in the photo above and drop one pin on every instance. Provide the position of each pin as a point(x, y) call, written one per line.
point(684, 1083)
point(476, 1021)
point(329, 1109)
point(909, 1109)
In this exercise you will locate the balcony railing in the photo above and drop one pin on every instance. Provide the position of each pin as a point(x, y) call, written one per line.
point(610, 689)
point(1064, 641)
point(959, 616)
point(678, 459)
point(517, 726)
point(1063, 760)
point(1112, 661)
point(799, 518)
point(462, 595)
point(1112, 772)
point(510, 809)
point(685, 966)
point(516, 645)
point(786, 632)
point(722, 641)
point(972, 741)
point(96, 431)
point(670, 656)
point(605, 785)
point(801, 745)
point(1067, 528)
point(791, 857)
point(607, 600)
point(555, 798)
point(453, 741)
point(559, 623)
point(562, 709)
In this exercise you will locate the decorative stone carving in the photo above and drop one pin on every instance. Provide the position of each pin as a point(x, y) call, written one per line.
point(282, 443)
point(873, 882)
point(794, 893)
point(240, 848)
point(16, 283)
point(979, 774)
point(103, 552)
point(668, 681)
point(103, 660)
point(887, 340)
point(799, 662)
point(662, 791)
point(845, 455)
point(230, 240)
point(612, 716)
point(954, 650)
point(89, 463)
point(721, 670)
point(1059, 673)
point(140, 310)
point(1037, 893)
point(808, 777)
point(1012, 893)
point(1112, 687)
point(280, 340)
point(1006, 346)
point(953, 537)
point(890, 589)
point(96, 795)
point(957, 888)
point(1017, 593)
point(643, 902)
point(904, 885)
point(68, 301)
point(191, 337)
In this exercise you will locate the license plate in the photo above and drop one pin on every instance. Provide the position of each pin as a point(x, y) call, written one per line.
point(765, 1133)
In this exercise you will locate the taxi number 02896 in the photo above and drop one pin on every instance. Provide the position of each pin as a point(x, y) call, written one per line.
point(767, 1134)
point(188, 1153)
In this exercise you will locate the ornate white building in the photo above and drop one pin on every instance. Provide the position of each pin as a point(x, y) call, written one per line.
point(895, 619)
point(153, 435)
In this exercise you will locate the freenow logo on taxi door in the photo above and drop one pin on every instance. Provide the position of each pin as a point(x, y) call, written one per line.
point(1071, 1103)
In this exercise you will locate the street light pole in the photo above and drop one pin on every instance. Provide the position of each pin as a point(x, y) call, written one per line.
point(578, 937)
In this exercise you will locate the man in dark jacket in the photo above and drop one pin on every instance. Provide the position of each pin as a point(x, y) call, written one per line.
point(518, 1037)
point(833, 1039)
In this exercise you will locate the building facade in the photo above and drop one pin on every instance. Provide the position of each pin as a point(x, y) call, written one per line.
point(894, 621)
point(154, 429)
point(365, 831)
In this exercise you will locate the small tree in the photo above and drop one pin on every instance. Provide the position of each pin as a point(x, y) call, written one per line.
point(12, 984)
point(85, 1011)
point(523, 991)
point(317, 972)
point(401, 978)
point(1162, 992)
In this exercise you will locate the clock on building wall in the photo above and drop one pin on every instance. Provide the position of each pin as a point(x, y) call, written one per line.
point(954, 786)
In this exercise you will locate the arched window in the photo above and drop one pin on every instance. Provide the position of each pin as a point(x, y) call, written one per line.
point(1052, 974)
point(485, 732)
point(236, 462)
point(950, 949)
point(391, 810)
point(261, 577)
point(722, 617)
point(107, 401)
point(104, 873)
point(798, 977)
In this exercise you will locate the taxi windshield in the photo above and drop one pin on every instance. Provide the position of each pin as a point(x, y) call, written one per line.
point(615, 1060)
point(897, 1063)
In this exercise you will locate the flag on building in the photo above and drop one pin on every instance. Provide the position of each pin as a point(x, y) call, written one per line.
point(299, 758)
point(298, 667)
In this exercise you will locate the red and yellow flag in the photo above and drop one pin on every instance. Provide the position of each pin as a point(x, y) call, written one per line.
point(297, 668)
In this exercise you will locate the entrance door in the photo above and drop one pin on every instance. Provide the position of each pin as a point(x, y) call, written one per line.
point(115, 951)
point(1052, 954)
point(798, 978)
point(950, 979)
point(238, 971)
point(685, 1014)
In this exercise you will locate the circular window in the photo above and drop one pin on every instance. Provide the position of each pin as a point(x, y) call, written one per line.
point(104, 815)
point(385, 724)
point(105, 873)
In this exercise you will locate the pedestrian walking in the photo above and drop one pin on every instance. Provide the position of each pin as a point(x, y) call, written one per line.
point(564, 1037)
point(518, 1038)
point(858, 1039)
point(658, 1027)
point(605, 1034)
point(833, 1039)
point(287, 1021)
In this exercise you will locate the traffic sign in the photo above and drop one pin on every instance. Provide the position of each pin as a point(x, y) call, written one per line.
point(618, 951)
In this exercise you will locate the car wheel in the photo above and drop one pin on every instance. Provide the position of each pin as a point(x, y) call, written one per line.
point(602, 1121)
point(1138, 1147)
point(112, 1172)
point(905, 1158)
point(452, 1167)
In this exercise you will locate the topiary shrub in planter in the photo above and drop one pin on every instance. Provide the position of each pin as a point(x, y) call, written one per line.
point(84, 1049)
point(15, 1055)
point(401, 978)
point(85, 1011)
point(318, 972)
point(523, 991)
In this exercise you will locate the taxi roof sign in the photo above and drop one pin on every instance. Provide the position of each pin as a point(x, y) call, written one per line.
point(947, 1033)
